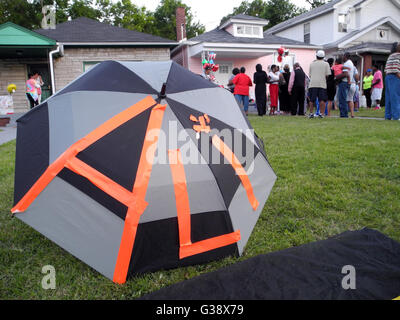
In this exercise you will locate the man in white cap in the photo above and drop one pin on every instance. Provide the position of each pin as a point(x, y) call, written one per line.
point(319, 72)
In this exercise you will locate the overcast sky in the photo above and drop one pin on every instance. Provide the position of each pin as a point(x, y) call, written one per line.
point(209, 12)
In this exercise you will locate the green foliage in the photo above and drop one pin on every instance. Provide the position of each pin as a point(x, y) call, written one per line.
point(334, 175)
point(122, 13)
point(165, 20)
point(254, 8)
point(316, 3)
point(275, 11)
point(84, 8)
point(127, 15)
point(18, 11)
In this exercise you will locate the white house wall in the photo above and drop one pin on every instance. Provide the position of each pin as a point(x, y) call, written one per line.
point(378, 9)
point(322, 29)
point(372, 35)
point(294, 33)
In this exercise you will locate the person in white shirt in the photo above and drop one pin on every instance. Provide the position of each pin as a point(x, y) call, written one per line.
point(344, 93)
point(351, 71)
point(319, 73)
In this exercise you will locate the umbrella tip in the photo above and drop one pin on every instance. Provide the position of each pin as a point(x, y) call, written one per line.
point(162, 94)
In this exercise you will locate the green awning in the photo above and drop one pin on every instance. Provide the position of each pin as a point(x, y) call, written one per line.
point(19, 42)
point(15, 35)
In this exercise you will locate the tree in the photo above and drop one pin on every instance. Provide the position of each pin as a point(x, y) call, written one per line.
point(61, 7)
point(165, 20)
point(275, 11)
point(254, 8)
point(122, 13)
point(20, 12)
point(316, 3)
point(84, 8)
point(127, 15)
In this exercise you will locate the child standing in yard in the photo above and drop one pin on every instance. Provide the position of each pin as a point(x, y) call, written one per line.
point(338, 66)
point(377, 87)
point(367, 87)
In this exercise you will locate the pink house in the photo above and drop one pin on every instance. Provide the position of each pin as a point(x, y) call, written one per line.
point(238, 42)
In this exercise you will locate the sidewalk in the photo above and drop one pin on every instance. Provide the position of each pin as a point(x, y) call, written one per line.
point(362, 118)
point(10, 132)
point(7, 134)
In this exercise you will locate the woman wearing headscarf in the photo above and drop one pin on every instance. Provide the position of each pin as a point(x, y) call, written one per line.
point(261, 80)
point(284, 97)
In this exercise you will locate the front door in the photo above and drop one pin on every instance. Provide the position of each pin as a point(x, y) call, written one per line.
point(224, 73)
point(43, 70)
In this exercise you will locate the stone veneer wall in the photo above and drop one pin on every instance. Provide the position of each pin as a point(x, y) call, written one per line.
point(70, 66)
point(14, 72)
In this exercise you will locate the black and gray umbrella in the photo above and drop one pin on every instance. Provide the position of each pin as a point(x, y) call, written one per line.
point(140, 166)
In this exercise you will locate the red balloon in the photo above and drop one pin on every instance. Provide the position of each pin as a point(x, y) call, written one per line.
point(215, 68)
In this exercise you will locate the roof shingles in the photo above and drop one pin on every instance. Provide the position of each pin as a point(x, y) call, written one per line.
point(221, 36)
point(85, 30)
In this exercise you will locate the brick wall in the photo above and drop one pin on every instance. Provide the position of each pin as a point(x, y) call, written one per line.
point(70, 66)
point(14, 72)
point(180, 23)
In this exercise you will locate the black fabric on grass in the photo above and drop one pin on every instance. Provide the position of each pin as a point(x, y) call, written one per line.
point(312, 272)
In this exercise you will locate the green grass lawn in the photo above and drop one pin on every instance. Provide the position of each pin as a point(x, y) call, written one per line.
point(334, 175)
point(365, 113)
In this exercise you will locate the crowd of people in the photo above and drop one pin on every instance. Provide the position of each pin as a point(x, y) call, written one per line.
point(330, 85)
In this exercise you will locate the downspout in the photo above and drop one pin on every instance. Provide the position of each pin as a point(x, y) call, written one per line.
point(60, 50)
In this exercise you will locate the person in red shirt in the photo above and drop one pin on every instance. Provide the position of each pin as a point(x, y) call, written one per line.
point(242, 84)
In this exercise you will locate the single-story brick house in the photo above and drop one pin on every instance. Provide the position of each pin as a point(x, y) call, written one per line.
point(64, 53)
point(238, 42)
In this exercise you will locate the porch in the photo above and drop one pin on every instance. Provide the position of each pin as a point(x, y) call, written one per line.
point(229, 56)
point(21, 52)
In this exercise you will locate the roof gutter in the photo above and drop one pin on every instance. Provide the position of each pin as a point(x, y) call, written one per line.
point(184, 43)
point(171, 44)
point(59, 50)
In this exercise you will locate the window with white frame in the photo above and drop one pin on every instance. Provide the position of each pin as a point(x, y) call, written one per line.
point(307, 33)
point(248, 31)
point(343, 20)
